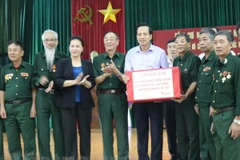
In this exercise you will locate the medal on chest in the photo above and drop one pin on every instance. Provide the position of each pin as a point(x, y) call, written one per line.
point(225, 75)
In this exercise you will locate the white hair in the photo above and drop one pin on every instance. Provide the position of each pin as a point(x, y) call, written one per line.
point(50, 55)
point(49, 31)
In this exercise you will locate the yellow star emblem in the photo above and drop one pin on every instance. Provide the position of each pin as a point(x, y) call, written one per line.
point(109, 13)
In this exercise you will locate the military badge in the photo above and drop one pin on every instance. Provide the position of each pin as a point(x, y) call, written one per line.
point(207, 69)
point(8, 77)
point(229, 75)
point(54, 68)
point(225, 75)
point(102, 66)
point(24, 74)
point(225, 61)
point(223, 79)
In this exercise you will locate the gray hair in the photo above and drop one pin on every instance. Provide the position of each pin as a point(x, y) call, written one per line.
point(187, 38)
point(49, 31)
point(210, 32)
point(226, 33)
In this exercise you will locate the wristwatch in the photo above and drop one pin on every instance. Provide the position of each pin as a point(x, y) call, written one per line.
point(236, 121)
point(119, 75)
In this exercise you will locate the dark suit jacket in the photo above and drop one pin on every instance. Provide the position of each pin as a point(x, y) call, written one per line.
point(66, 95)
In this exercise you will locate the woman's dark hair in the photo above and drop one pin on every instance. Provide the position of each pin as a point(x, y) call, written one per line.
point(78, 38)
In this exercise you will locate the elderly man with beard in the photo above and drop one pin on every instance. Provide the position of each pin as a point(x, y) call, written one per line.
point(44, 75)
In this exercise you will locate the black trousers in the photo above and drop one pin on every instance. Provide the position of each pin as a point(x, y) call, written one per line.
point(70, 118)
point(143, 112)
point(170, 123)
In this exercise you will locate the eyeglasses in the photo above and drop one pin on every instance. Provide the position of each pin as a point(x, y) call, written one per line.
point(49, 40)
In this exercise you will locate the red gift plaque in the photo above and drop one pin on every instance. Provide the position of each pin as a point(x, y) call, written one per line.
point(154, 84)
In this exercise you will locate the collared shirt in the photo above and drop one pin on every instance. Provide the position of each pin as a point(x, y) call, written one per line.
point(17, 83)
point(154, 58)
point(226, 84)
point(101, 61)
point(189, 66)
point(204, 81)
point(41, 69)
point(170, 63)
point(201, 55)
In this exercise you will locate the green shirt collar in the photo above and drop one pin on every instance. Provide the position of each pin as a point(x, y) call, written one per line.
point(23, 64)
point(210, 57)
point(226, 59)
point(185, 56)
point(105, 55)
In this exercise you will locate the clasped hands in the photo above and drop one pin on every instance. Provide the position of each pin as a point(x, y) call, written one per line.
point(80, 80)
point(112, 69)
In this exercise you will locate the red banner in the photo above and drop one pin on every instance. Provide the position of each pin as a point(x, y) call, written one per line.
point(154, 85)
point(160, 37)
point(91, 19)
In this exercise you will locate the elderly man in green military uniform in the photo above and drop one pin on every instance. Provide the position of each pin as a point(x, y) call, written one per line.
point(186, 117)
point(108, 68)
point(44, 74)
point(226, 98)
point(17, 95)
point(204, 94)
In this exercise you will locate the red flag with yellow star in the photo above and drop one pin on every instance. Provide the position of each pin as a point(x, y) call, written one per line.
point(91, 19)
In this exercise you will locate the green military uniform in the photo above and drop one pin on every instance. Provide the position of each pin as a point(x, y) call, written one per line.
point(226, 93)
point(186, 117)
point(112, 106)
point(16, 83)
point(239, 56)
point(46, 107)
point(1, 140)
point(203, 100)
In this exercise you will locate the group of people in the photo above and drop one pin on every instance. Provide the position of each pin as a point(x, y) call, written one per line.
point(203, 124)
point(207, 115)
point(56, 86)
